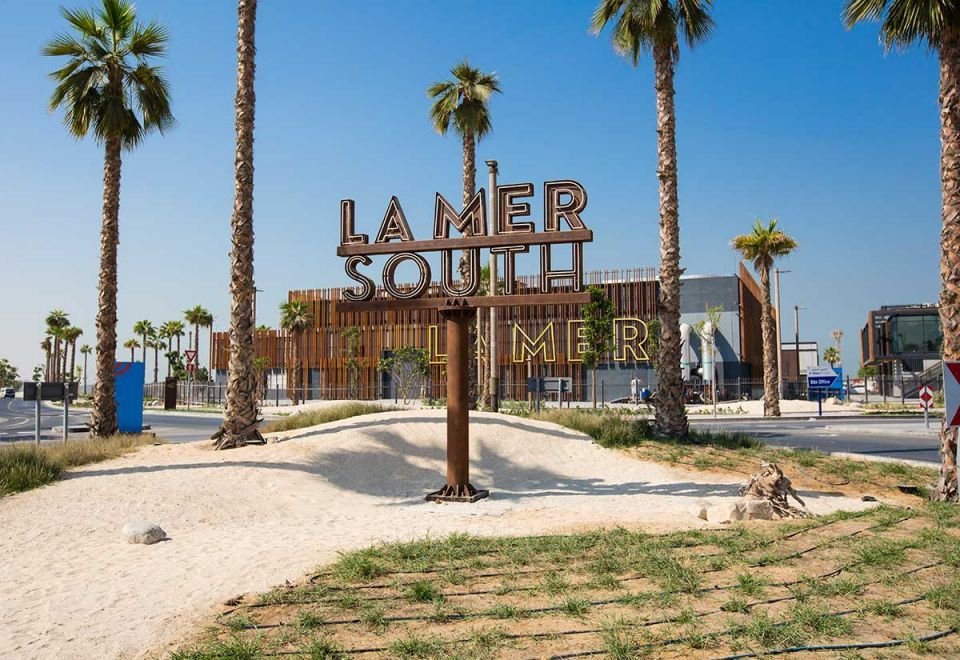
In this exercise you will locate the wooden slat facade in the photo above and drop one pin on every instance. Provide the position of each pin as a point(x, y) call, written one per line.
point(633, 293)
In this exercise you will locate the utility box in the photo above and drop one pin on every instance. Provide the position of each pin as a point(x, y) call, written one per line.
point(128, 393)
point(170, 393)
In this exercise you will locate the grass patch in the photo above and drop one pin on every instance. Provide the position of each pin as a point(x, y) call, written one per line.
point(25, 466)
point(333, 413)
point(740, 453)
point(849, 586)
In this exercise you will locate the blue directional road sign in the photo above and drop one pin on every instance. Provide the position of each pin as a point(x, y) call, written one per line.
point(822, 377)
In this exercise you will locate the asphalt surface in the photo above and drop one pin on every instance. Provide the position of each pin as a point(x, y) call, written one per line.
point(17, 422)
point(892, 438)
point(871, 436)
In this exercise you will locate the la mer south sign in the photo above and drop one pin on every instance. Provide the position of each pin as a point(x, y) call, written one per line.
point(512, 234)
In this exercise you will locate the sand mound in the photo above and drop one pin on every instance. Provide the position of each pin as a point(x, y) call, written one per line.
point(247, 519)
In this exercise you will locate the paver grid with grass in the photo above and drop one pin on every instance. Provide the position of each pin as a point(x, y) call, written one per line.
point(879, 576)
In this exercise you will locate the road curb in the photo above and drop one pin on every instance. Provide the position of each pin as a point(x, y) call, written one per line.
point(866, 458)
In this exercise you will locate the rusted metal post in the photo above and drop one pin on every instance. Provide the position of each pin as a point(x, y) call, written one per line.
point(458, 487)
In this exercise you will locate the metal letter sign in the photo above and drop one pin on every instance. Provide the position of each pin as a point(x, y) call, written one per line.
point(951, 389)
point(501, 234)
point(821, 378)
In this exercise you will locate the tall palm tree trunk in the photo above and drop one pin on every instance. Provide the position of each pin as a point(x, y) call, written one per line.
point(469, 190)
point(56, 358)
point(240, 418)
point(671, 416)
point(64, 355)
point(156, 360)
point(949, 239)
point(73, 359)
point(103, 417)
point(296, 368)
point(768, 328)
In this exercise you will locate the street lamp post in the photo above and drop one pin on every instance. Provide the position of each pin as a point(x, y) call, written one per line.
point(796, 341)
point(492, 365)
point(776, 277)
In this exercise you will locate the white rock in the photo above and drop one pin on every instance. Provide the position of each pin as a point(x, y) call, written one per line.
point(740, 509)
point(143, 532)
point(700, 509)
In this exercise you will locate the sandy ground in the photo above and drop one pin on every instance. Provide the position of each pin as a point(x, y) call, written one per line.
point(248, 519)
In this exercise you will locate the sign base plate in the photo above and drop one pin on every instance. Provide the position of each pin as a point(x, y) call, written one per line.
point(449, 493)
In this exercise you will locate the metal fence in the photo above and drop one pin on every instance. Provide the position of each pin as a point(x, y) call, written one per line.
point(878, 389)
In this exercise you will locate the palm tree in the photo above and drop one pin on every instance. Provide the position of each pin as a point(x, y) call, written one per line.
point(46, 346)
point(109, 89)
point(70, 336)
point(56, 321)
point(85, 351)
point(936, 24)
point(240, 416)
point(463, 103)
point(762, 246)
point(196, 316)
point(156, 343)
point(207, 322)
point(657, 26)
point(145, 329)
point(831, 356)
point(295, 318)
point(131, 344)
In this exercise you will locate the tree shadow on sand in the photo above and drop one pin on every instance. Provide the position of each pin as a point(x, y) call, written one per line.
point(383, 464)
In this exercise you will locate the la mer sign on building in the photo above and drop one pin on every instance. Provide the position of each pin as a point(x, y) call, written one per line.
point(512, 234)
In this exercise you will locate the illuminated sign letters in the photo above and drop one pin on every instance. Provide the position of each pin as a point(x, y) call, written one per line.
point(564, 202)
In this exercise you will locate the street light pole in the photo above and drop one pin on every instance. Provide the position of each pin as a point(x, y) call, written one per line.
point(776, 277)
point(796, 340)
point(492, 366)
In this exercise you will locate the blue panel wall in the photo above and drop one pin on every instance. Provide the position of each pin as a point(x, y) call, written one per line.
point(128, 393)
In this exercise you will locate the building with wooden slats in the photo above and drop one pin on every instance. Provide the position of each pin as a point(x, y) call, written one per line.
point(537, 340)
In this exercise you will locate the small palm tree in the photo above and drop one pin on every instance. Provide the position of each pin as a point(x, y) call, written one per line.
point(936, 24)
point(109, 89)
point(56, 321)
point(831, 356)
point(131, 344)
point(70, 336)
point(46, 346)
point(85, 351)
point(761, 246)
point(296, 318)
point(657, 26)
point(196, 316)
point(145, 329)
point(206, 321)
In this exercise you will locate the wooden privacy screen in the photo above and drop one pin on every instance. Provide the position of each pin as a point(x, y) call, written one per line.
point(322, 347)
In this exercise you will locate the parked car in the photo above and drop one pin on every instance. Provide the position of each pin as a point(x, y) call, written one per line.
point(9, 393)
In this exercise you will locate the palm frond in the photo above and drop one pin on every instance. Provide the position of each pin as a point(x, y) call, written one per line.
point(107, 88)
point(696, 23)
point(149, 40)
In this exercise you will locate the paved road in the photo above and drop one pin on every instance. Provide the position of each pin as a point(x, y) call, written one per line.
point(17, 422)
point(894, 438)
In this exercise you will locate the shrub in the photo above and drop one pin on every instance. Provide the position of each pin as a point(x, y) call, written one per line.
point(325, 415)
point(25, 466)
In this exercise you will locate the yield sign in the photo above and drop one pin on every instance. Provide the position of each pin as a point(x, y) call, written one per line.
point(191, 357)
point(951, 387)
point(926, 396)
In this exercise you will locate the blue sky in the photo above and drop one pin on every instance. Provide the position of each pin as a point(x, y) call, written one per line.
point(783, 113)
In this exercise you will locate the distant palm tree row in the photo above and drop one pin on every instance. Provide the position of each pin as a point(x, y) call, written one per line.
point(60, 343)
point(166, 335)
point(60, 347)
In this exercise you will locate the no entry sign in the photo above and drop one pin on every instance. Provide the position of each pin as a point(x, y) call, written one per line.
point(951, 390)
